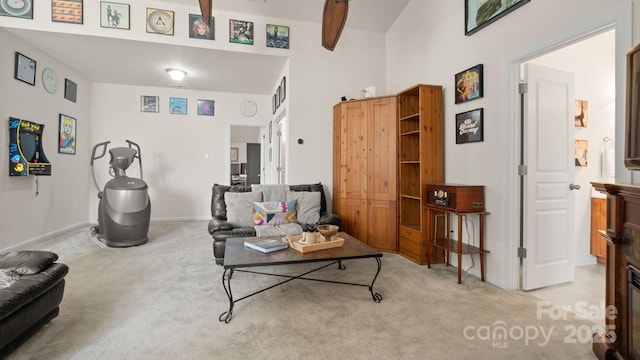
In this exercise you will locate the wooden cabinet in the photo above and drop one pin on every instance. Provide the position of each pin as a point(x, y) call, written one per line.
point(421, 161)
point(365, 170)
point(598, 223)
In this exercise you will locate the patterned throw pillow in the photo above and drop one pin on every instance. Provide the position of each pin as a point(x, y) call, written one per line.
point(274, 212)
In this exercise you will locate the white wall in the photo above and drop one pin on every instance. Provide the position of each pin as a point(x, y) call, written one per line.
point(62, 199)
point(427, 44)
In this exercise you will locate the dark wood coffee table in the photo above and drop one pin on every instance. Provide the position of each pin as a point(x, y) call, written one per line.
point(237, 257)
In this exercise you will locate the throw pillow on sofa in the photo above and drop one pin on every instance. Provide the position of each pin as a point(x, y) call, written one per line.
point(274, 212)
point(308, 205)
point(239, 205)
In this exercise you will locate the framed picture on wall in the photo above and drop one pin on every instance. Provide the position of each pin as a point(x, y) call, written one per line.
point(199, 29)
point(581, 152)
point(234, 154)
point(67, 11)
point(480, 13)
point(469, 126)
point(582, 113)
point(114, 15)
point(241, 32)
point(277, 36)
point(70, 90)
point(67, 135)
point(468, 84)
point(25, 69)
point(160, 21)
point(22, 8)
point(283, 89)
point(178, 106)
point(206, 107)
point(149, 103)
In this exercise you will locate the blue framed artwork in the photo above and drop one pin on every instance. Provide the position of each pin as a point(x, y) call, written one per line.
point(178, 106)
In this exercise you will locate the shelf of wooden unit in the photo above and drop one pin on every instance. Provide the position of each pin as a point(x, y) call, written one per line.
point(452, 245)
point(455, 246)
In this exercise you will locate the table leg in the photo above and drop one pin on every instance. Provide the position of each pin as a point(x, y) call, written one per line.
point(376, 296)
point(459, 249)
point(226, 316)
point(481, 247)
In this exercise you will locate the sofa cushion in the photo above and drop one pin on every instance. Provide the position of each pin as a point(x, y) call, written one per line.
point(239, 205)
point(27, 262)
point(308, 205)
point(274, 212)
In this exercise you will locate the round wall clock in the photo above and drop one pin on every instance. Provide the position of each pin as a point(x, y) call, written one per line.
point(248, 108)
point(50, 80)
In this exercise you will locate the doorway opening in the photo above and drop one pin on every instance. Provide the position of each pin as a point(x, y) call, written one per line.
point(245, 162)
point(592, 61)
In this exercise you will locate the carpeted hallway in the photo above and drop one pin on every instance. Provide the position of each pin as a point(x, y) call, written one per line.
point(162, 300)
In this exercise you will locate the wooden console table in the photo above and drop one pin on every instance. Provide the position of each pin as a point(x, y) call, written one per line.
point(449, 245)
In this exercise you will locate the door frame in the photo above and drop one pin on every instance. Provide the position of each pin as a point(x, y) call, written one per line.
point(227, 155)
point(619, 19)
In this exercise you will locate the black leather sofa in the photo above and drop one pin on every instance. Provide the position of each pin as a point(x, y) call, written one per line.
point(33, 300)
point(220, 229)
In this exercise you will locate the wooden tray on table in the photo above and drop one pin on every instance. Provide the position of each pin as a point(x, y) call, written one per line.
point(294, 242)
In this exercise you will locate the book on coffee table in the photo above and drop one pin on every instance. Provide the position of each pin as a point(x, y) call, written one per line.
point(266, 245)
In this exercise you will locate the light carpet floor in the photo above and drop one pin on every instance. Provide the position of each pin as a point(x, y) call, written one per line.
point(162, 300)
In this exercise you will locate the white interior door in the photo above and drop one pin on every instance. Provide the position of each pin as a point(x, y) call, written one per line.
point(548, 189)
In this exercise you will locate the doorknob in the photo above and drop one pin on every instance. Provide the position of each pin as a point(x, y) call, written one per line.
point(574, 187)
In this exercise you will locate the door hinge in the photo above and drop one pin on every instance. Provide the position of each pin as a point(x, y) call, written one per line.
point(522, 170)
point(523, 88)
point(522, 253)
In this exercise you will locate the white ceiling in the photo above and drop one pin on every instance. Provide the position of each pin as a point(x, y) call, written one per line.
point(141, 63)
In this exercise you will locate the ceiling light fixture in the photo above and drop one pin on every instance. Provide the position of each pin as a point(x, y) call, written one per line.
point(176, 74)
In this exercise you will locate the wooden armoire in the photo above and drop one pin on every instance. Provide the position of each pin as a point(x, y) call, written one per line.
point(365, 170)
point(385, 151)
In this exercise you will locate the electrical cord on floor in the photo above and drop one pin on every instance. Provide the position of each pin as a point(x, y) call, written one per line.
point(466, 227)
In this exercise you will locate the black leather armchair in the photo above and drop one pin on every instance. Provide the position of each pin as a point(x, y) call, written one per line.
point(220, 229)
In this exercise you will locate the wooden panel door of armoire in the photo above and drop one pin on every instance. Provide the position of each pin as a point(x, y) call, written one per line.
point(365, 151)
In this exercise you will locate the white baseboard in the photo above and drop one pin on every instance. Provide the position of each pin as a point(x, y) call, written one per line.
point(43, 237)
point(584, 261)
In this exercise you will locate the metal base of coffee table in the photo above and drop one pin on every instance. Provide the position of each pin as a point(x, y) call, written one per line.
point(241, 258)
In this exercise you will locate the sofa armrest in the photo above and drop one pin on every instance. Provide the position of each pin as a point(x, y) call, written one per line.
point(330, 219)
point(218, 224)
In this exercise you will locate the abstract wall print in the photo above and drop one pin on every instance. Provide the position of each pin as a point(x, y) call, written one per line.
point(240, 32)
point(67, 11)
point(480, 13)
point(17, 8)
point(469, 126)
point(206, 107)
point(149, 103)
point(199, 29)
point(160, 21)
point(581, 152)
point(468, 84)
point(67, 135)
point(178, 106)
point(114, 15)
point(277, 36)
point(582, 113)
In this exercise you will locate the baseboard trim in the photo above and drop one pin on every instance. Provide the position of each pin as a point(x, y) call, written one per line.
point(43, 237)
